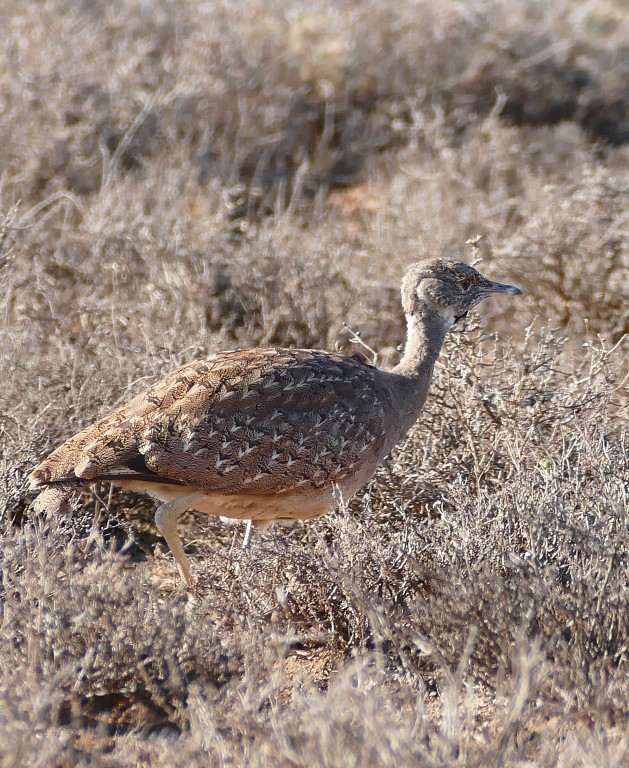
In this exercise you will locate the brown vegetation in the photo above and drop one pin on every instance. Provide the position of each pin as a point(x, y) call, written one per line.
point(184, 177)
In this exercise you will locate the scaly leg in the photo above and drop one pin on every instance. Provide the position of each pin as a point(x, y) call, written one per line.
point(166, 522)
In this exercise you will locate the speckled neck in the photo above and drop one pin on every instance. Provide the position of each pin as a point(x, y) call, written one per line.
point(426, 332)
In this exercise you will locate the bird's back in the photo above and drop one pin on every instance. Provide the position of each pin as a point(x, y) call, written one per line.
point(256, 421)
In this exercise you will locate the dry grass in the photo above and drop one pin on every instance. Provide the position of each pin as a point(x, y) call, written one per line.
point(179, 178)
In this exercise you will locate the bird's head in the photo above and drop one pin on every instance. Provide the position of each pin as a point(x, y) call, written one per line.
point(448, 287)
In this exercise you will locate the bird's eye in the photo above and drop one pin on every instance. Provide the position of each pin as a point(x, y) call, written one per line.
point(465, 282)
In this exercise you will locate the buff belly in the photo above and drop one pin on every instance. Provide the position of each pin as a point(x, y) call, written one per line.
point(277, 506)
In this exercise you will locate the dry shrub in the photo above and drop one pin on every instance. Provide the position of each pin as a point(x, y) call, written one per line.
point(276, 105)
point(490, 419)
point(574, 249)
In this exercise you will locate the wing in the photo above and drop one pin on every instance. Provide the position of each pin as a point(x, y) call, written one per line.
point(257, 421)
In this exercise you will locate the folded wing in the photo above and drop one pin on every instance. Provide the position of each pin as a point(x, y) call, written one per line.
point(258, 421)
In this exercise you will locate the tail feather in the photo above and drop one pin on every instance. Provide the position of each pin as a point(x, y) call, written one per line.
point(55, 499)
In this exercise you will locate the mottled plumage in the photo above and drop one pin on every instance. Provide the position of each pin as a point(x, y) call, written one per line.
point(250, 421)
point(267, 434)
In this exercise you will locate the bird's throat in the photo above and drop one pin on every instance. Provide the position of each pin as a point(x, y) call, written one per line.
point(425, 335)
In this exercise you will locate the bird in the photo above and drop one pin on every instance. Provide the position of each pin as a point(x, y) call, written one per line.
point(267, 434)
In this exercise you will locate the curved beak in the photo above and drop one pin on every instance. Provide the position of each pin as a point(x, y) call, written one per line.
point(493, 287)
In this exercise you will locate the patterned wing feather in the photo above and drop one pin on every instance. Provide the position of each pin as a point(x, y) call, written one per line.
point(259, 421)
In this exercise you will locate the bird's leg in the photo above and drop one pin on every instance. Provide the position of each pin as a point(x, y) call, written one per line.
point(253, 526)
point(166, 521)
point(247, 538)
